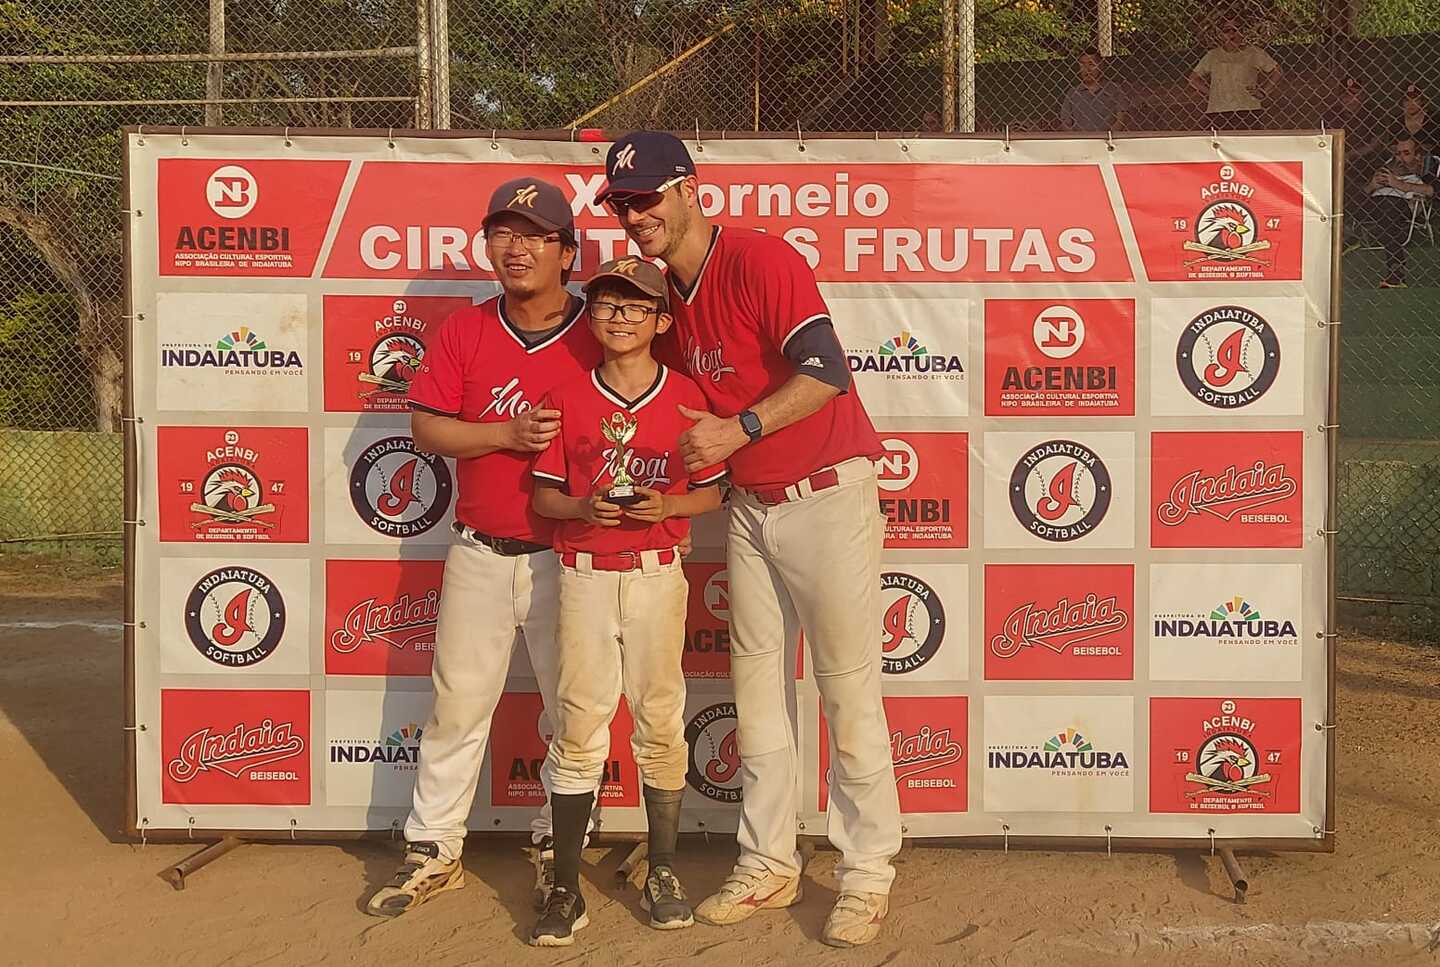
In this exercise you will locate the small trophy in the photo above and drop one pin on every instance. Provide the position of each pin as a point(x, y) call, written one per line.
point(619, 430)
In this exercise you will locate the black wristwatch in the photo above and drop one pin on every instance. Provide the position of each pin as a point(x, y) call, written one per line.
point(750, 423)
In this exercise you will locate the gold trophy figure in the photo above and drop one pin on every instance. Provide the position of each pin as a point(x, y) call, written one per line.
point(620, 430)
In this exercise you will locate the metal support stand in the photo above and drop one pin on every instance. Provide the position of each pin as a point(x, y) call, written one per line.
point(175, 875)
point(1237, 875)
point(631, 864)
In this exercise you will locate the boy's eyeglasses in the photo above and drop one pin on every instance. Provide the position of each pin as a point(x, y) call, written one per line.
point(533, 241)
point(641, 201)
point(605, 311)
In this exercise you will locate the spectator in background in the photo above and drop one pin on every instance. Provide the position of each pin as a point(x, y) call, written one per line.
point(1365, 137)
point(1095, 104)
point(1388, 209)
point(1233, 78)
point(1415, 120)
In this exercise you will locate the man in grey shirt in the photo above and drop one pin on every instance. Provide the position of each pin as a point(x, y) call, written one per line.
point(1095, 104)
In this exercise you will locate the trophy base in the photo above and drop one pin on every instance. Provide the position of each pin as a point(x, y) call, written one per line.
point(623, 498)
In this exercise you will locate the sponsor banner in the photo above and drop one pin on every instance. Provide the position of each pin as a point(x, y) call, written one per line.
point(1231, 755)
point(374, 345)
point(908, 357)
point(372, 751)
point(1215, 221)
point(924, 483)
point(1059, 622)
point(712, 777)
point(924, 622)
point(1219, 489)
point(520, 734)
point(928, 743)
point(1225, 622)
point(244, 217)
point(380, 490)
point(1074, 357)
point(707, 621)
point(1212, 357)
point(380, 616)
point(1065, 753)
point(237, 747)
point(1060, 490)
point(242, 483)
point(853, 223)
point(235, 615)
point(231, 351)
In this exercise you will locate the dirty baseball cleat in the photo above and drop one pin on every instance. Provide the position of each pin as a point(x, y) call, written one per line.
point(421, 877)
point(664, 898)
point(743, 893)
point(542, 856)
point(564, 915)
point(856, 919)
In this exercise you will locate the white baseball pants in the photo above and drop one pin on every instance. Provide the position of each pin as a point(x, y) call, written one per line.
point(488, 603)
point(813, 562)
point(620, 631)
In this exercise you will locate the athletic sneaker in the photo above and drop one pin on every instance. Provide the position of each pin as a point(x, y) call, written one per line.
point(421, 877)
point(664, 898)
point(856, 919)
point(1392, 282)
point(743, 893)
point(542, 856)
point(564, 914)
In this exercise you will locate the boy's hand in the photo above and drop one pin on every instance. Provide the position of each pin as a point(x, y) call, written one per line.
point(532, 431)
point(652, 506)
point(596, 510)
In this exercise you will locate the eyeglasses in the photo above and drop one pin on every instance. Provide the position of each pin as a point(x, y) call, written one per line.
point(605, 311)
point(1412, 92)
point(503, 238)
point(641, 201)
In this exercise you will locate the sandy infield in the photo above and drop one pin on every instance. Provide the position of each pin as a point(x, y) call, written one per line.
point(76, 893)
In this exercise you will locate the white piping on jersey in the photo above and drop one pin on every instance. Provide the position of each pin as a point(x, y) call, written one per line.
point(635, 405)
point(547, 476)
point(711, 479)
point(514, 330)
point(801, 325)
point(689, 297)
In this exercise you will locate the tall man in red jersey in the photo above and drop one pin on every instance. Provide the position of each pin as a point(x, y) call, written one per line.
point(474, 399)
point(804, 537)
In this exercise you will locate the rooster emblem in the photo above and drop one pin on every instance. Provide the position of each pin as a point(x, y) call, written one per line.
point(1227, 760)
point(232, 491)
point(394, 361)
point(1226, 227)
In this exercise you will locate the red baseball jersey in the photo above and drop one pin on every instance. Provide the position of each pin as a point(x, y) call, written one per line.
point(753, 294)
point(478, 368)
point(582, 460)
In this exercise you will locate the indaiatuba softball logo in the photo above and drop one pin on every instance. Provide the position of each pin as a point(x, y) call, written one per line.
point(913, 623)
point(1060, 490)
point(235, 616)
point(398, 491)
point(1228, 357)
point(714, 770)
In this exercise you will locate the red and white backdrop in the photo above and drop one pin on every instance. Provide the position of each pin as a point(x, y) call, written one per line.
point(1101, 379)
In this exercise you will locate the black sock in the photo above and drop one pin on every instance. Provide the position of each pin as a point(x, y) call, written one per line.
point(662, 815)
point(569, 814)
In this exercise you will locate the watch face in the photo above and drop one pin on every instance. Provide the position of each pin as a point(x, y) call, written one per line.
point(750, 423)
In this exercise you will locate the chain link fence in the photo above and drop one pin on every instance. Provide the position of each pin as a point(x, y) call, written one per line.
point(76, 70)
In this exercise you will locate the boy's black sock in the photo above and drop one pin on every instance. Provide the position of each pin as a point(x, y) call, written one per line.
point(662, 814)
point(569, 814)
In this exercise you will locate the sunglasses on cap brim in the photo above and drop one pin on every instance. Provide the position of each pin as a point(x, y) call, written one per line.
point(621, 202)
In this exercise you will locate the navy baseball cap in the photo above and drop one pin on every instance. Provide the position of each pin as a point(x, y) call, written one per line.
point(536, 201)
point(643, 161)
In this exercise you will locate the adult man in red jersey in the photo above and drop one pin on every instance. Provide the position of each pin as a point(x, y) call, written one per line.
point(474, 399)
point(805, 530)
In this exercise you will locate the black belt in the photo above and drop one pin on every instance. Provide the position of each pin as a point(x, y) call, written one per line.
point(506, 546)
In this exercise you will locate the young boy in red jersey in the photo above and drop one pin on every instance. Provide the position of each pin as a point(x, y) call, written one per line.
point(621, 491)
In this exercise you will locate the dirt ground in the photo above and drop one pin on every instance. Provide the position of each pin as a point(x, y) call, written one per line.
point(75, 892)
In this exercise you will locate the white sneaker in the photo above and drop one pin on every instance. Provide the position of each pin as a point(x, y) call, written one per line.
point(856, 919)
point(421, 877)
point(745, 892)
